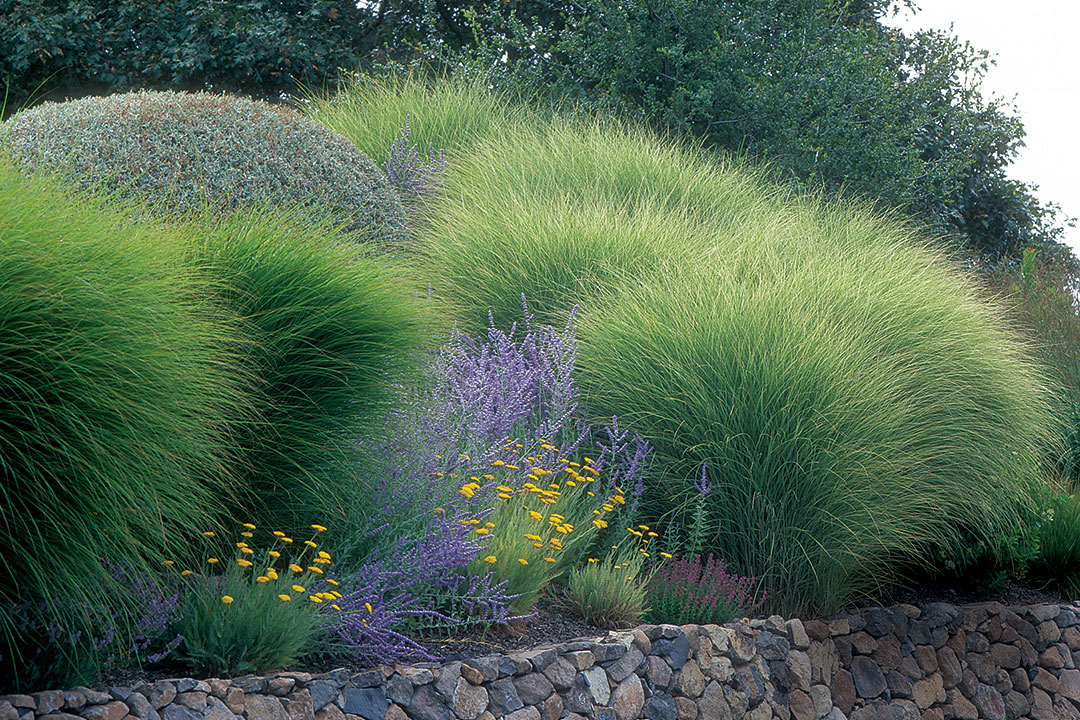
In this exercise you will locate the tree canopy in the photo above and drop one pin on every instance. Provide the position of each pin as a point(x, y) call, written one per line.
point(824, 90)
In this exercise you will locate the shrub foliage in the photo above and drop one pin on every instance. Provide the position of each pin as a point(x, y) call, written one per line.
point(183, 152)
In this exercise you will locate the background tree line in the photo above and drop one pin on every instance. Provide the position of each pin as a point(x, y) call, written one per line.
point(824, 90)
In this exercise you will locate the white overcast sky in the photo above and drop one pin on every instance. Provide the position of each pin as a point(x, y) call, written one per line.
point(1037, 49)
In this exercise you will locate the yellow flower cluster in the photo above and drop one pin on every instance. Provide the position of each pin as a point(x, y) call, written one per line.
point(307, 567)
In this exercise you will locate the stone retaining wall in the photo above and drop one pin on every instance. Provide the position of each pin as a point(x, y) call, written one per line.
point(903, 663)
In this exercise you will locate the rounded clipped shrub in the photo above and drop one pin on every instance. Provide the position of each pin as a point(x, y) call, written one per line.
point(855, 404)
point(116, 394)
point(182, 152)
point(330, 330)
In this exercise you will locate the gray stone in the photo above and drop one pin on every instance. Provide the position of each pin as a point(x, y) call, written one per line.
point(798, 675)
point(248, 683)
point(607, 652)
point(48, 702)
point(824, 661)
point(195, 700)
point(797, 634)
point(541, 657)
point(898, 684)
point(1042, 705)
point(713, 704)
point(139, 706)
point(114, 710)
point(658, 672)
point(534, 688)
point(801, 705)
point(928, 691)
point(471, 674)
point(686, 709)
point(1065, 710)
point(883, 710)
point(577, 699)
point(234, 700)
point(553, 708)
point(8, 711)
point(690, 682)
point(298, 705)
point(488, 667)
point(959, 707)
point(281, 686)
point(660, 706)
point(887, 653)
point(642, 641)
point(629, 663)
point(1016, 705)
point(399, 690)
point(525, 713)
point(323, 693)
point(628, 698)
point(75, 700)
point(676, 650)
point(504, 697)
point(1069, 684)
point(560, 673)
point(749, 681)
point(1007, 656)
point(161, 694)
point(772, 647)
point(989, 702)
point(179, 712)
point(869, 682)
point(822, 700)
point(50, 716)
point(951, 670)
point(1046, 633)
point(395, 712)
point(427, 705)
point(468, 700)
point(1051, 659)
point(580, 659)
point(217, 710)
point(262, 707)
point(1045, 680)
point(446, 679)
point(369, 703)
point(596, 680)
point(26, 702)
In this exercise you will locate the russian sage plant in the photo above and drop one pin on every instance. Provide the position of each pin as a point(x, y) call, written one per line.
point(411, 173)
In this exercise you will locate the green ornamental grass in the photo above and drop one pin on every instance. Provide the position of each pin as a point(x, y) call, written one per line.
point(329, 330)
point(117, 387)
point(856, 403)
point(859, 408)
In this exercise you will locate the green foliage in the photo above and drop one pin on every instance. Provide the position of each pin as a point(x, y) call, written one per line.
point(258, 46)
point(538, 532)
point(855, 402)
point(827, 92)
point(681, 590)
point(559, 211)
point(117, 391)
point(451, 114)
point(1057, 563)
point(1039, 294)
point(183, 152)
point(329, 332)
point(259, 613)
point(609, 592)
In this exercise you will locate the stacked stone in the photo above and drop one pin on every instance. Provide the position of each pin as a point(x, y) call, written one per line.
point(938, 662)
point(942, 662)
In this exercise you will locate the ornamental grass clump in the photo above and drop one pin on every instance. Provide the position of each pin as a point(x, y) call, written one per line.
point(182, 152)
point(117, 390)
point(858, 405)
point(258, 610)
point(681, 590)
point(328, 331)
point(565, 211)
point(610, 591)
point(450, 113)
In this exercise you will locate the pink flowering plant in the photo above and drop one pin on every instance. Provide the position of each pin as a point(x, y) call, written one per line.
point(682, 590)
